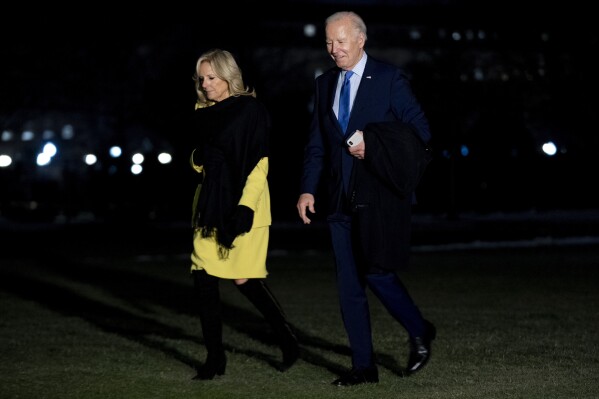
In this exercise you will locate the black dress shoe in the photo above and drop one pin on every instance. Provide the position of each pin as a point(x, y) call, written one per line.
point(358, 376)
point(420, 349)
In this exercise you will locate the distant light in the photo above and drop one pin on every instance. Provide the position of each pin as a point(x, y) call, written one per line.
point(5, 161)
point(48, 134)
point(457, 36)
point(136, 169)
point(27, 135)
point(137, 158)
point(464, 150)
point(67, 132)
point(7, 135)
point(90, 159)
point(309, 30)
point(43, 159)
point(115, 151)
point(50, 149)
point(164, 158)
point(479, 74)
point(549, 148)
point(415, 34)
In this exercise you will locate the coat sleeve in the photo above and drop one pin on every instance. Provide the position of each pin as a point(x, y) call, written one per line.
point(256, 195)
point(406, 107)
point(194, 166)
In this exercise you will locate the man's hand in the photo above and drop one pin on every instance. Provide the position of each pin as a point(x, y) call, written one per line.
point(358, 150)
point(305, 201)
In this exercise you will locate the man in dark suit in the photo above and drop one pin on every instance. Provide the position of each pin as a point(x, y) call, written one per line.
point(378, 92)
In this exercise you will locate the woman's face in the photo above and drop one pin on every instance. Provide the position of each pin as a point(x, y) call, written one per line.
point(214, 87)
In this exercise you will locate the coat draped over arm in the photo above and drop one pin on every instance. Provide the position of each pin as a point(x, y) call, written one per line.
point(381, 192)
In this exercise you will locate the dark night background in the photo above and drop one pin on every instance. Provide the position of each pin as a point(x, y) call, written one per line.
point(496, 80)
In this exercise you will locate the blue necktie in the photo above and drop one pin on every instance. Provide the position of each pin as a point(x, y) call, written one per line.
point(344, 101)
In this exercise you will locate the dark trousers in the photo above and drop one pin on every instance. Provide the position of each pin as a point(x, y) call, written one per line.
point(352, 281)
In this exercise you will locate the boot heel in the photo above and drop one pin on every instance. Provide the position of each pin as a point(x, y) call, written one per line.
point(220, 370)
point(211, 368)
point(290, 355)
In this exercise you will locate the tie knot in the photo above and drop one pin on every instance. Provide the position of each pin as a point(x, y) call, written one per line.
point(348, 75)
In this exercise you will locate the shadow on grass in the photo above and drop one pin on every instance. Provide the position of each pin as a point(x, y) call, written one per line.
point(42, 282)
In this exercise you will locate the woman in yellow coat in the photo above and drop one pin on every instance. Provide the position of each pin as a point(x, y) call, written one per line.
point(231, 217)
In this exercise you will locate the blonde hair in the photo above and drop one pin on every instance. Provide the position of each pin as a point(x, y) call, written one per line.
point(225, 67)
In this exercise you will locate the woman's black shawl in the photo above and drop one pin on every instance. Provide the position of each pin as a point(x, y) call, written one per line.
point(231, 137)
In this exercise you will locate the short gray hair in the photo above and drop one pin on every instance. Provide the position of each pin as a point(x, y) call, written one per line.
point(355, 19)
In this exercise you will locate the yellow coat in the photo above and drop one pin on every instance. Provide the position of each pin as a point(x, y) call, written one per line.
point(248, 257)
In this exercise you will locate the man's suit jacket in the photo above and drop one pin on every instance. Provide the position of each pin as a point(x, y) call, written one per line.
point(384, 95)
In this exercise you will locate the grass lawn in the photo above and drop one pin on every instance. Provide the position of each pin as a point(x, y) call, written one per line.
point(512, 323)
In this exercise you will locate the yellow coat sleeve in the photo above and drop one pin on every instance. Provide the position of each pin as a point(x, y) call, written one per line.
point(256, 194)
point(197, 168)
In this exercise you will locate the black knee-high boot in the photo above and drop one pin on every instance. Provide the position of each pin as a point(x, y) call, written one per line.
point(208, 296)
point(262, 298)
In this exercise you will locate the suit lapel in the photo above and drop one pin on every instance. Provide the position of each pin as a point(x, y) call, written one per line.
point(332, 86)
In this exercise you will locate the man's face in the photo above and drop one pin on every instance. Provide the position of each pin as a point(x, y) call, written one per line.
point(344, 43)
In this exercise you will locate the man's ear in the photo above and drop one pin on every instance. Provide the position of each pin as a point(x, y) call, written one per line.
point(362, 40)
